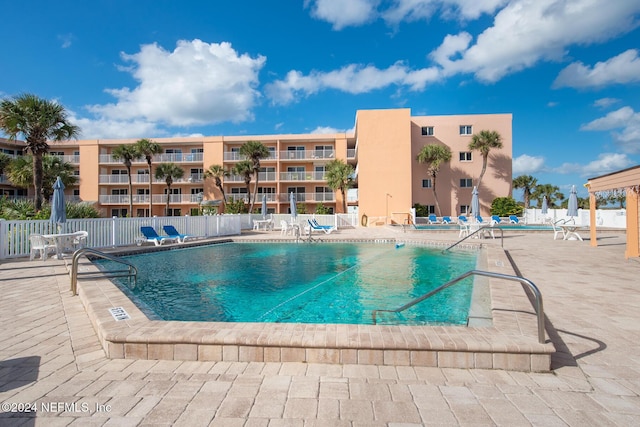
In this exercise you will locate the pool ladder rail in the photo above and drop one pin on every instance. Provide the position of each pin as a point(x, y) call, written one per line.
point(522, 280)
point(130, 272)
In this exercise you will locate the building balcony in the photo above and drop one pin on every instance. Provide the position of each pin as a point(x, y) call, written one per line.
point(73, 159)
point(144, 179)
point(140, 199)
point(307, 155)
point(284, 197)
point(234, 156)
point(264, 177)
point(158, 158)
point(303, 176)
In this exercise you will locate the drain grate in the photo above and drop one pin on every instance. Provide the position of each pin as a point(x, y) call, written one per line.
point(119, 313)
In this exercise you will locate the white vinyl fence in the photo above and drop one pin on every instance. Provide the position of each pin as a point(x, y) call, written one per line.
point(112, 232)
point(613, 218)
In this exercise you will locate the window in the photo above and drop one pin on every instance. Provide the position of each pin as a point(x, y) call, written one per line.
point(197, 191)
point(119, 212)
point(426, 183)
point(466, 182)
point(465, 156)
point(465, 209)
point(431, 209)
point(76, 192)
point(197, 150)
point(119, 191)
point(140, 213)
point(142, 191)
point(119, 172)
point(466, 130)
point(427, 130)
point(239, 190)
point(56, 153)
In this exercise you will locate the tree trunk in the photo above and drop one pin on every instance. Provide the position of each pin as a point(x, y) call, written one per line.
point(130, 192)
point(37, 180)
point(255, 192)
point(150, 188)
point(166, 211)
point(435, 195)
point(344, 200)
point(484, 169)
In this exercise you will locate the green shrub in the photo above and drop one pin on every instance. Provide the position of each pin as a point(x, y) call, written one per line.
point(505, 206)
point(421, 210)
point(235, 207)
point(322, 209)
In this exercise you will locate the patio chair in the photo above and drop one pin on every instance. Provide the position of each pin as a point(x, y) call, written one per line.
point(433, 219)
point(153, 237)
point(462, 219)
point(284, 227)
point(556, 229)
point(40, 245)
point(447, 220)
point(514, 219)
point(80, 239)
point(172, 232)
point(496, 219)
point(314, 226)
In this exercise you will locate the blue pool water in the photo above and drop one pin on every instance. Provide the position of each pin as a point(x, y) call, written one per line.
point(302, 283)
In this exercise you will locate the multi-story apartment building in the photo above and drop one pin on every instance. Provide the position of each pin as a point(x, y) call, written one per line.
point(382, 149)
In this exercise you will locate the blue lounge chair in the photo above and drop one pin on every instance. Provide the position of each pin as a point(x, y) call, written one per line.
point(462, 219)
point(514, 219)
point(433, 219)
point(314, 226)
point(151, 236)
point(446, 220)
point(479, 219)
point(496, 219)
point(172, 232)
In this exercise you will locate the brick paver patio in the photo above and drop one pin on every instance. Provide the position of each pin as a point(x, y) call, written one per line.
point(51, 361)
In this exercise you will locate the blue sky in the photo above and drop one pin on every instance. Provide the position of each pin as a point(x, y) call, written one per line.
point(568, 70)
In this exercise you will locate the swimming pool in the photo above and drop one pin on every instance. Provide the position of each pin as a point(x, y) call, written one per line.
point(301, 283)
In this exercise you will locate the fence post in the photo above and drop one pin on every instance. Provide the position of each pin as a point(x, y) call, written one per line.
point(4, 240)
point(114, 230)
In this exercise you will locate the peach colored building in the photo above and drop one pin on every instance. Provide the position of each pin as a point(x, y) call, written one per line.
point(382, 149)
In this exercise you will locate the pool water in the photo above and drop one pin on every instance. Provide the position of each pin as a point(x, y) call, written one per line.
point(302, 283)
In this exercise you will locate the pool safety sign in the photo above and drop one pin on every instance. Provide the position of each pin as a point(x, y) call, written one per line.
point(119, 313)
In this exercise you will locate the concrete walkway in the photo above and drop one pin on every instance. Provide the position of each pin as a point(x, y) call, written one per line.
point(52, 364)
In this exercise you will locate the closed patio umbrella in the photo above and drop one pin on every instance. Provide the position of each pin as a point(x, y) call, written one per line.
point(545, 205)
point(572, 209)
point(58, 208)
point(264, 206)
point(292, 203)
point(475, 202)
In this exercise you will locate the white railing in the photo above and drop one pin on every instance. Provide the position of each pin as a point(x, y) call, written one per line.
point(144, 179)
point(264, 176)
point(234, 156)
point(351, 153)
point(72, 158)
point(615, 218)
point(302, 176)
point(307, 154)
point(158, 158)
point(112, 232)
point(308, 197)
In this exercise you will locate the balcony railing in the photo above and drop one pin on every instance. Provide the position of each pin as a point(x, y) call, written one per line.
point(74, 159)
point(158, 158)
point(144, 179)
point(234, 156)
point(302, 176)
point(351, 153)
point(123, 199)
point(284, 197)
point(307, 154)
point(264, 176)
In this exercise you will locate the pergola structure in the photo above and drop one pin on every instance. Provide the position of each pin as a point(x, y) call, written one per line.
point(627, 181)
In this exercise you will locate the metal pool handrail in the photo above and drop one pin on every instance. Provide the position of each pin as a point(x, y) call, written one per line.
point(476, 232)
point(522, 280)
point(131, 271)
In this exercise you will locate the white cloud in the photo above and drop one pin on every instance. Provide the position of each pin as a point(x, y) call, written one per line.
point(116, 129)
point(198, 83)
point(605, 102)
point(352, 79)
point(66, 39)
point(343, 13)
point(624, 68)
point(529, 31)
point(414, 10)
point(607, 162)
point(527, 165)
point(325, 130)
point(625, 126)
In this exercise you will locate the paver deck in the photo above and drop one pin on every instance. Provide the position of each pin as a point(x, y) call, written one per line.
point(51, 359)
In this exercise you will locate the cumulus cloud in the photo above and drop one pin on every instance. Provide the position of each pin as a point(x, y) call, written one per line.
point(529, 31)
point(66, 40)
point(624, 125)
point(605, 102)
point(414, 10)
point(606, 162)
point(527, 165)
point(116, 129)
point(624, 68)
point(343, 13)
point(196, 83)
point(354, 79)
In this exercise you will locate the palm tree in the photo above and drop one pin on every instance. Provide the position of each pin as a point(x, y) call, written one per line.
point(434, 155)
point(20, 173)
point(244, 168)
point(127, 153)
point(217, 172)
point(5, 160)
point(37, 120)
point(339, 177)
point(147, 149)
point(551, 191)
point(528, 184)
point(254, 151)
point(484, 141)
point(169, 172)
